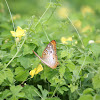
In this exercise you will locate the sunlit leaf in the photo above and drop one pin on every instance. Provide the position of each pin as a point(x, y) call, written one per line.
point(9, 75)
point(86, 97)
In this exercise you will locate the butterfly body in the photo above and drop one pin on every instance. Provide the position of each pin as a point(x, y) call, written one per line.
point(49, 56)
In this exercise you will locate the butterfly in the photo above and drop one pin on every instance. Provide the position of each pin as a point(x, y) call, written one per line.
point(49, 55)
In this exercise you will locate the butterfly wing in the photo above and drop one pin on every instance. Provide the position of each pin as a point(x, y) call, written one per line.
point(49, 55)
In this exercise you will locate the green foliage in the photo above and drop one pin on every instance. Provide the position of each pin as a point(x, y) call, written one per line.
point(77, 76)
point(96, 80)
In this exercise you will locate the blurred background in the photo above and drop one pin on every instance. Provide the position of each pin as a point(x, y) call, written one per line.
point(84, 14)
point(37, 7)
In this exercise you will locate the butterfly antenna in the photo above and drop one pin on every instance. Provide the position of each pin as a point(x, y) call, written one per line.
point(36, 54)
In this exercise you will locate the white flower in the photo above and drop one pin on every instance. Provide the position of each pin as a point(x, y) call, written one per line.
point(91, 41)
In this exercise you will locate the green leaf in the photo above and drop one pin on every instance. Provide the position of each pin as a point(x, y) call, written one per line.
point(86, 97)
point(19, 70)
point(95, 49)
point(76, 73)
point(68, 75)
point(13, 98)
point(22, 76)
point(25, 61)
point(86, 60)
point(43, 91)
point(28, 49)
point(5, 94)
point(2, 54)
point(61, 70)
point(15, 89)
point(9, 75)
point(49, 73)
point(70, 65)
point(73, 87)
point(96, 81)
point(30, 92)
point(33, 39)
point(97, 97)
point(64, 53)
point(62, 89)
point(6, 45)
point(21, 94)
point(2, 76)
point(87, 90)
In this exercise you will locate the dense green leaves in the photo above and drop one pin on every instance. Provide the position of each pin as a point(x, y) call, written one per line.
point(44, 92)
point(30, 92)
point(77, 77)
point(5, 94)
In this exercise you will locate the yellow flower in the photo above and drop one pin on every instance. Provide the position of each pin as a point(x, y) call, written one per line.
point(39, 69)
point(63, 12)
point(87, 28)
point(17, 16)
point(86, 9)
point(32, 72)
point(64, 40)
point(75, 42)
point(19, 32)
point(77, 23)
point(97, 41)
point(36, 70)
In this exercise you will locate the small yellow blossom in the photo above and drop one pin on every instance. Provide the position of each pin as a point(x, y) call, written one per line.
point(86, 9)
point(19, 32)
point(1, 8)
point(77, 23)
point(87, 28)
point(63, 12)
point(17, 16)
point(32, 72)
point(75, 42)
point(64, 40)
point(97, 41)
point(36, 70)
point(39, 69)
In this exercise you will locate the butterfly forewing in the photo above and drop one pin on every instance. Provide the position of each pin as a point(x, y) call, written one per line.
point(49, 56)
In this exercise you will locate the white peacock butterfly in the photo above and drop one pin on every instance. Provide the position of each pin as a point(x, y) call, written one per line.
point(49, 56)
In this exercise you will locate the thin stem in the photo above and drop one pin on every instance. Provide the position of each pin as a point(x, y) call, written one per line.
point(39, 95)
point(55, 90)
point(82, 64)
point(42, 15)
point(17, 52)
point(76, 31)
point(10, 15)
point(46, 34)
